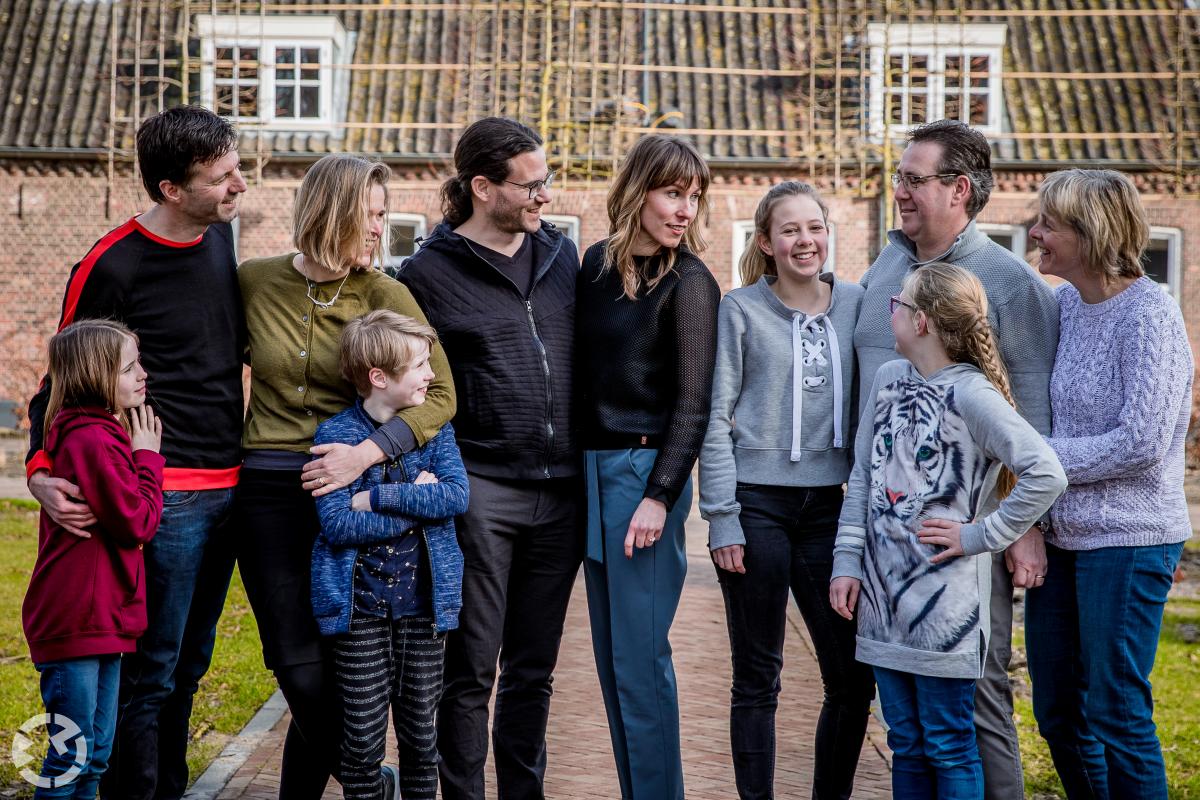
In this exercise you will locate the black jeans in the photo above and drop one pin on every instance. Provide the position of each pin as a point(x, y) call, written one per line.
point(789, 545)
point(278, 524)
point(522, 544)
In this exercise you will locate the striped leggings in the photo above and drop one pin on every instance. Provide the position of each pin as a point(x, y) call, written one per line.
point(382, 661)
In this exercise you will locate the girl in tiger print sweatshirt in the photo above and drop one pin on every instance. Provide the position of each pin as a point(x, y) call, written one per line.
point(932, 489)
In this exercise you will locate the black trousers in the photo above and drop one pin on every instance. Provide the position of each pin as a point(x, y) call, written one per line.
point(522, 543)
point(278, 525)
point(382, 663)
point(789, 546)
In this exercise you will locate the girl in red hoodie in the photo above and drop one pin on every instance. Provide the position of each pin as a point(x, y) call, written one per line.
point(86, 602)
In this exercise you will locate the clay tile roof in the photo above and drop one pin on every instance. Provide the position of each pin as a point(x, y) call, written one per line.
point(55, 87)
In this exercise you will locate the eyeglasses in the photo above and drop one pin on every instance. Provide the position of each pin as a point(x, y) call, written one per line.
point(896, 300)
point(912, 182)
point(536, 186)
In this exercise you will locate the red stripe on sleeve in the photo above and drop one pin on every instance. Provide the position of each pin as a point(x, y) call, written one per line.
point(75, 289)
point(39, 461)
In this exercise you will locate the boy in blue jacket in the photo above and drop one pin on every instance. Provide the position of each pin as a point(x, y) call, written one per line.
point(387, 569)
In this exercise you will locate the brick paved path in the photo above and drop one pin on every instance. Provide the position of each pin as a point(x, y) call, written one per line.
point(580, 758)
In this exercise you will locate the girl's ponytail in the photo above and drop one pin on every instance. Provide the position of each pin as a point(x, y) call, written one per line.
point(954, 301)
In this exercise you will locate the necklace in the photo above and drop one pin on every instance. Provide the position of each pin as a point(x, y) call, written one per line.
point(322, 304)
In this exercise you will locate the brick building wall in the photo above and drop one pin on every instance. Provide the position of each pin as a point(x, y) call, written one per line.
point(52, 214)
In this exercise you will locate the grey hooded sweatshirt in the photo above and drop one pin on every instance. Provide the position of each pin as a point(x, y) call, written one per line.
point(782, 412)
point(932, 448)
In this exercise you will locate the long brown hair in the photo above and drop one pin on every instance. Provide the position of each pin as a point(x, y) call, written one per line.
point(754, 262)
point(954, 301)
point(653, 162)
point(85, 364)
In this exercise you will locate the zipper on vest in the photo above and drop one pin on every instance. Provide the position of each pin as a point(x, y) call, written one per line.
point(537, 340)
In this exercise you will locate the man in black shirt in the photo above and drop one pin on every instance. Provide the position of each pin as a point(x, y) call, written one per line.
point(498, 283)
point(170, 275)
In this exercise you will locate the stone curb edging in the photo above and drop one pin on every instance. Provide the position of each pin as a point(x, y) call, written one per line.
point(238, 750)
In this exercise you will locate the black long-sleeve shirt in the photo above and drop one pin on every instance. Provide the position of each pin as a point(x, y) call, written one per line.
point(183, 302)
point(645, 366)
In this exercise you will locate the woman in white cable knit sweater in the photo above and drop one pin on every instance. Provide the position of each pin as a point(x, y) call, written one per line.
point(1120, 398)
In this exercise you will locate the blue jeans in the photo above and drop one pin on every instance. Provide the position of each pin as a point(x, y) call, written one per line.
point(1092, 633)
point(931, 730)
point(789, 547)
point(188, 566)
point(84, 690)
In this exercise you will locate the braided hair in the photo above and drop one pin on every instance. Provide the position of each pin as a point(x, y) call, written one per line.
point(957, 307)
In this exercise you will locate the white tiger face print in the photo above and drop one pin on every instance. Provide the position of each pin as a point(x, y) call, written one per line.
point(920, 463)
point(923, 465)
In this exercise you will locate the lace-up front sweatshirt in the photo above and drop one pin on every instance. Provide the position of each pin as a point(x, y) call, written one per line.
point(781, 411)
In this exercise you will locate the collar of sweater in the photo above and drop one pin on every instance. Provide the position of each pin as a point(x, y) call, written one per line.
point(772, 301)
point(951, 373)
point(1069, 298)
point(966, 243)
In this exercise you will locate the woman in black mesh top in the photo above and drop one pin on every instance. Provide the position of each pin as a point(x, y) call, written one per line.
point(646, 322)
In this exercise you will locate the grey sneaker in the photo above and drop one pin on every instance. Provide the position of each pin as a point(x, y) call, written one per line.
point(391, 782)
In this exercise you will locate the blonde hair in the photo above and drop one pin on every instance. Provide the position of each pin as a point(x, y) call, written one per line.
point(1103, 208)
point(956, 305)
point(381, 339)
point(85, 365)
point(754, 262)
point(653, 162)
point(329, 217)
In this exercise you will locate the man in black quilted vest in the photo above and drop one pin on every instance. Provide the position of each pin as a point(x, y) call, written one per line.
point(498, 283)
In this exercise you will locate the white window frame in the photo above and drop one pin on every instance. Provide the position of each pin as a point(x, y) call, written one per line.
point(1174, 240)
point(745, 227)
point(321, 32)
point(1020, 236)
point(742, 230)
point(935, 42)
point(568, 225)
point(401, 217)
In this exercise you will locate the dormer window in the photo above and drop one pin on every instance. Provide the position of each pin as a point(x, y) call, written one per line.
point(922, 73)
point(277, 71)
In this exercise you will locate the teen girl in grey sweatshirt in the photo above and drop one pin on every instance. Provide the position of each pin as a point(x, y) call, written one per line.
point(771, 471)
point(938, 442)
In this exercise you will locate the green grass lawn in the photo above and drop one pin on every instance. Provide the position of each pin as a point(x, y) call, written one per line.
point(1176, 681)
point(235, 687)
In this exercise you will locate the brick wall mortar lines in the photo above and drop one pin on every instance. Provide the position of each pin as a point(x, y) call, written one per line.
point(61, 216)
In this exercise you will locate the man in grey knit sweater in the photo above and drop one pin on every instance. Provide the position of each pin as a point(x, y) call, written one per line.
point(942, 183)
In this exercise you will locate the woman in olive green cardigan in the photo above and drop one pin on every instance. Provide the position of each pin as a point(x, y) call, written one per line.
point(296, 305)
